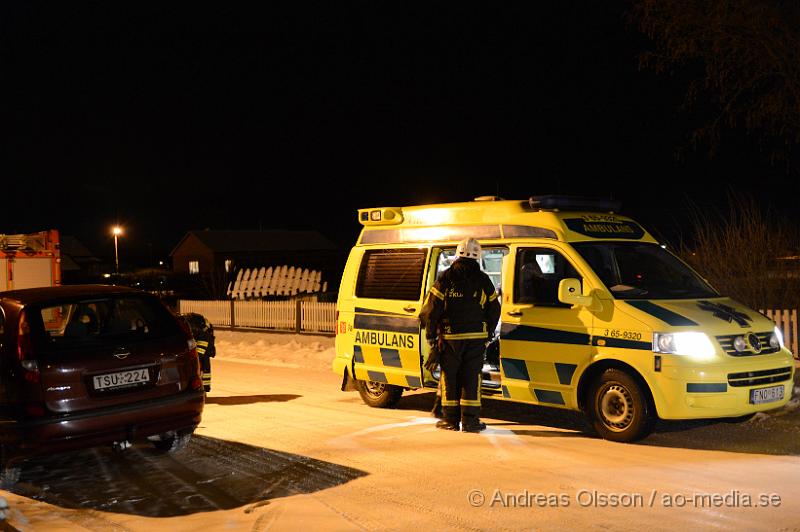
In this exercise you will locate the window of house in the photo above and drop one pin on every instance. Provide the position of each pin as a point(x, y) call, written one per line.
point(391, 274)
point(194, 266)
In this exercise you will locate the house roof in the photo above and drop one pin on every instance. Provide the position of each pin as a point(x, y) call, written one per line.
point(75, 249)
point(272, 240)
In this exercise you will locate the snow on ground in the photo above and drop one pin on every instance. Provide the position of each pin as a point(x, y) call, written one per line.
point(317, 353)
point(276, 349)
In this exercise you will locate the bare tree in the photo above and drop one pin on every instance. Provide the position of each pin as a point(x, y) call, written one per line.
point(215, 283)
point(743, 57)
point(746, 253)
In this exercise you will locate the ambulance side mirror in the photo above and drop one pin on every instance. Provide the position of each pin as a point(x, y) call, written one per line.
point(570, 292)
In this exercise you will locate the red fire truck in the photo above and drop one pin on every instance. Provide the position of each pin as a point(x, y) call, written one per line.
point(30, 260)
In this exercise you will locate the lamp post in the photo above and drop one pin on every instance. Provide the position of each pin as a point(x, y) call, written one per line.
point(117, 230)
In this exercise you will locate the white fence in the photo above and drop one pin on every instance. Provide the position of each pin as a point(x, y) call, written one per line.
point(786, 320)
point(293, 315)
point(311, 316)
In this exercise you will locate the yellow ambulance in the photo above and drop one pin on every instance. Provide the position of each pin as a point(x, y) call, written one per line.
point(596, 315)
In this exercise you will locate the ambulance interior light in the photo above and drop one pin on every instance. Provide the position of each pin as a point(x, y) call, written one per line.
point(574, 203)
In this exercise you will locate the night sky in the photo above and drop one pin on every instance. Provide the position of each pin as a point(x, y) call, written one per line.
point(168, 119)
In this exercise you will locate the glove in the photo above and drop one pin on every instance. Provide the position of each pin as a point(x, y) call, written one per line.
point(433, 358)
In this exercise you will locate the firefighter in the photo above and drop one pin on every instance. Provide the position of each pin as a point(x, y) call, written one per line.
point(203, 333)
point(462, 307)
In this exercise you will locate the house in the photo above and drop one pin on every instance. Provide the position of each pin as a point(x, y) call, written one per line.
point(78, 264)
point(214, 252)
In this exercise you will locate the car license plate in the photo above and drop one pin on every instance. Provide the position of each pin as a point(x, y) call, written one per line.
point(766, 395)
point(121, 379)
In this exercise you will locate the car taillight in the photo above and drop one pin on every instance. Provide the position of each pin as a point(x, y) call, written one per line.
point(336, 321)
point(196, 383)
point(25, 351)
point(190, 341)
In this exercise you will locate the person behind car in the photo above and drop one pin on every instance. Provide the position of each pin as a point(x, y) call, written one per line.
point(203, 333)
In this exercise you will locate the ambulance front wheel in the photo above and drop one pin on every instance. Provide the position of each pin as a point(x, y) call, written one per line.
point(619, 408)
point(379, 394)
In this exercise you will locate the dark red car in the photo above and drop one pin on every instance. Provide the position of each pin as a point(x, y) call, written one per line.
point(90, 365)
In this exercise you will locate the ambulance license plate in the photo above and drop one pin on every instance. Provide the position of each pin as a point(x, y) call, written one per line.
point(121, 379)
point(766, 395)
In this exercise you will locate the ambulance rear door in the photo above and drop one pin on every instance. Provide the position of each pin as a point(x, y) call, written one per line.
point(387, 303)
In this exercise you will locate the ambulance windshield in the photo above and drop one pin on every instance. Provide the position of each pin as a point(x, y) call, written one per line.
point(634, 270)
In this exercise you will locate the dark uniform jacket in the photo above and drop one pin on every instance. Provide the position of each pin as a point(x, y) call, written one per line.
point(462, 304)
point(203, 333)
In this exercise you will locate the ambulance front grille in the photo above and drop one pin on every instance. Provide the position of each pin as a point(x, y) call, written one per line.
point(757, 378)
point(726, 343)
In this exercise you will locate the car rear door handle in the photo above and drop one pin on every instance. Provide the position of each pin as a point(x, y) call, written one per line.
point(514, 313)
point(409, 308)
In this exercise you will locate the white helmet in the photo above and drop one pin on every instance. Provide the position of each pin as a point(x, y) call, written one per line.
point(469, 248)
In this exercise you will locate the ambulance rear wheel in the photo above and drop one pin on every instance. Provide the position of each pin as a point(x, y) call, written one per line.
point(379, 394)
point(618, 407)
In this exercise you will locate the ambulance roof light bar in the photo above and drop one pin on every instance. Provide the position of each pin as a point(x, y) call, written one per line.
point(574, 203)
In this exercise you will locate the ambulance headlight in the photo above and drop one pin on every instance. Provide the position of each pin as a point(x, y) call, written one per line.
point(776, 340)
point(739, 344)
point(696, 345)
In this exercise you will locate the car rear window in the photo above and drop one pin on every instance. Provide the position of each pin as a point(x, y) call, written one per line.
point(113, 319)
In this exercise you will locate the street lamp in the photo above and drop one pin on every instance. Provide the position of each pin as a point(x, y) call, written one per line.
point(117, 230)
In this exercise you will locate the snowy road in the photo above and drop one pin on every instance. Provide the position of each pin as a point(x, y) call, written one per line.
point(281, 448)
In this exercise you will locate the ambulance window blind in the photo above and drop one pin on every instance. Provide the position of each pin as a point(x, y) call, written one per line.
point(391, 274)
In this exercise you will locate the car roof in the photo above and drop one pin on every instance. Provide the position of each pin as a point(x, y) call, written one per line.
point(28, 296)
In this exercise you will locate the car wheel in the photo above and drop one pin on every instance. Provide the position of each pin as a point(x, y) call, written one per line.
point(379, 394)
point(618, 407)
point(172, 441)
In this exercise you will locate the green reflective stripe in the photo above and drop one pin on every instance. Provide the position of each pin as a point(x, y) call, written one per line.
point(565, 372)
point(436, 293)
point(413, 382)
point(667, 316)
point(706, 387)
point(470, 402)
point(391, 357)
point(483, 299)
point(515, 368)
point(386, 323)
point(376, 376)
point(493, 297)
point(466, 336)
point(549, 396)
point(527, 333)
point(202, 342)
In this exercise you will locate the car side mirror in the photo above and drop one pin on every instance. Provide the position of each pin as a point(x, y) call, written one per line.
point(570, 292)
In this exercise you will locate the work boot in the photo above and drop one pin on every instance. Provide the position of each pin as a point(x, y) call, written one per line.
point(445, 424)
point(473, 425)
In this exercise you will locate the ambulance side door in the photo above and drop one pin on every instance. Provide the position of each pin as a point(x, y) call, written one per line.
point(387, 302)
point(542, 341)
